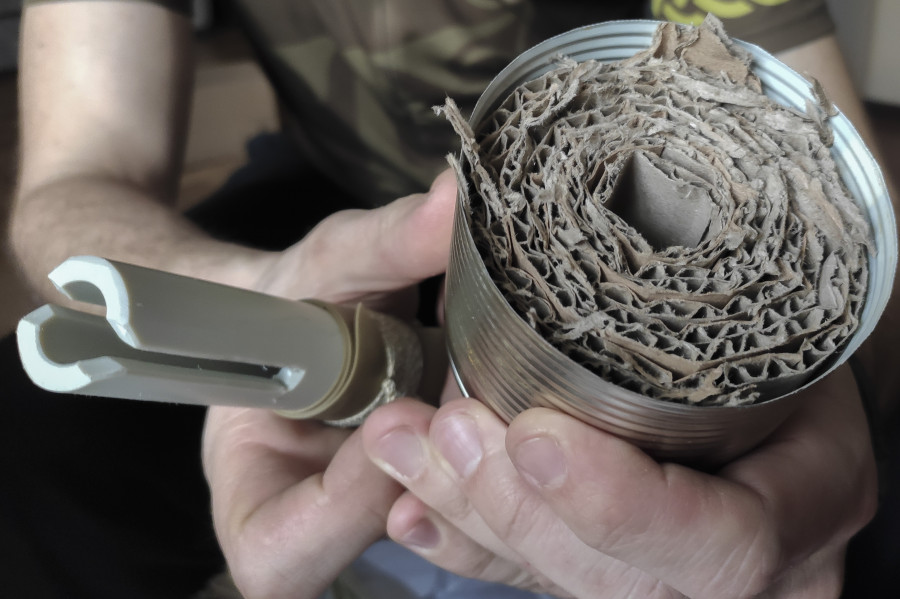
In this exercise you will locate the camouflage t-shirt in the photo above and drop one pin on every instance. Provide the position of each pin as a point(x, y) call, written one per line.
point(358, 78)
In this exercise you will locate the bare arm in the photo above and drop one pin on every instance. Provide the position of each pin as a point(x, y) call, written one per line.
point(104, 90)
point(823, 60)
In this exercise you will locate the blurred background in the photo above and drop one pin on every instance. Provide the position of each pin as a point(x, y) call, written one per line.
point(233, 104)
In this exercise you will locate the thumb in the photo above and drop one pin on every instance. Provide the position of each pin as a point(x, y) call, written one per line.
point(362, 252)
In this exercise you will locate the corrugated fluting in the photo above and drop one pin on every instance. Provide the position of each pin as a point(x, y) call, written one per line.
point(502, 361)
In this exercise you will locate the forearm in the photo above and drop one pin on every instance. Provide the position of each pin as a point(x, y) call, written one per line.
point(114, 219)
point(104, 96)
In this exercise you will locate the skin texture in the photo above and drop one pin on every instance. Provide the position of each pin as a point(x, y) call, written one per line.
point(551, 503)
point(102, 128)
point(295, 502)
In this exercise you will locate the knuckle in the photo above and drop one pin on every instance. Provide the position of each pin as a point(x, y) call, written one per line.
point(256, 578)
point(515, 522)
point(611, 524)
point(479, 564)
point(756, 569)
point(251, 582)
point(616, 524)
point(752, 565)
point(453, 505)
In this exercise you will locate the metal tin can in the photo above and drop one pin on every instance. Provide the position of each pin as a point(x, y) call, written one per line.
point(498, 358)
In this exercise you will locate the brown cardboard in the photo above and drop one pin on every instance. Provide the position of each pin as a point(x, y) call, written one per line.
point(664, 223)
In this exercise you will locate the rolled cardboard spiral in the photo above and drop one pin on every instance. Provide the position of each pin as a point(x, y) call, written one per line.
point(663, 247)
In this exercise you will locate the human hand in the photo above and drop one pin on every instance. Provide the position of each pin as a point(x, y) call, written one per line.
point(294, 502)
point(372, 256)
point(550, 503)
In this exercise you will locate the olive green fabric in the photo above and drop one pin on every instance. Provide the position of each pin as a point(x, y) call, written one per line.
point(358, 78)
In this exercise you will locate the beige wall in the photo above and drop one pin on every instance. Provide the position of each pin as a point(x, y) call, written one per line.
point(868, 32)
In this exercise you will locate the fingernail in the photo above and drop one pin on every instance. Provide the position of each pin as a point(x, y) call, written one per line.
point(423, 535)
point(541, 461)
point(400, 451)
point(458, 441)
